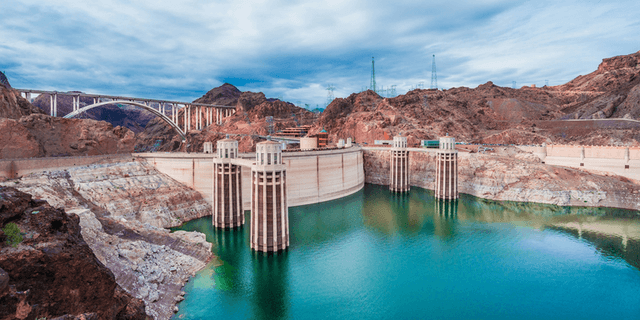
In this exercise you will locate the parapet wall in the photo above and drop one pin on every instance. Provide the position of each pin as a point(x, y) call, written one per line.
point(15, 168)
point(596, 158)
point(312, 176)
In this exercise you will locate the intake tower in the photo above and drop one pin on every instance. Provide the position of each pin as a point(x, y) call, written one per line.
point(399, 177)
point(269, 210)
point(227, 186)
point(447, 169)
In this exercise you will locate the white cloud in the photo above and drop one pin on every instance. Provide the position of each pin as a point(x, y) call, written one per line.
point(295, 49)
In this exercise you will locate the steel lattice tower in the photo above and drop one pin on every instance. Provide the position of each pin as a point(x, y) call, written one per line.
point(434, 76)
point(373, 76)
point(330, 96)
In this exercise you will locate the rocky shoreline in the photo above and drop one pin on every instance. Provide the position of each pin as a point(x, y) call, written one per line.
point(513, 175)
point(47, 270)
point(124, 209)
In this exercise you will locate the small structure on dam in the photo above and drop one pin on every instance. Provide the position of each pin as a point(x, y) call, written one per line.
point(269, 209)
point(227, 186)
point(399, 175)
point(447, 169)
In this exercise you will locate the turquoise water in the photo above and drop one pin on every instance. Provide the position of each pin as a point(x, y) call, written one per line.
point(376, 255)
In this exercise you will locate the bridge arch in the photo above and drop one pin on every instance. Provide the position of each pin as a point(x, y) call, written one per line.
point(137, 104)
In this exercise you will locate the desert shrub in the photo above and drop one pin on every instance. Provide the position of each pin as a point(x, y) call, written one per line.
point(14, 237)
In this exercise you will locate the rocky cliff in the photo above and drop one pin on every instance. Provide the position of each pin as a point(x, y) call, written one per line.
point(612, 91)
point(52, 272)
point(26, 132)
point(123, 210)
point(493, 114)
point(131, 117)
point(13, 106)
point(252, 109)
point(512, 175)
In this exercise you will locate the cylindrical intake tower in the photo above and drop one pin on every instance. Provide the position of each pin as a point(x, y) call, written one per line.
point(447, 169)
point(227, 186)
point(399, 176)
point(269, 210)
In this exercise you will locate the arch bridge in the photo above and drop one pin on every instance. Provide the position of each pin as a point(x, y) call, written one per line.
point(195, 116)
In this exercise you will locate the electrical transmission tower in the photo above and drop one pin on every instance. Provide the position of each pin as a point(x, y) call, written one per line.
point(373, 76)
point(434, 75)
point(270, 125)
point(330, 96)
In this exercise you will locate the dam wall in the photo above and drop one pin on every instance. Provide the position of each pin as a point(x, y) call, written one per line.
point(611, 159)
point(312, 176)
point(15, 168)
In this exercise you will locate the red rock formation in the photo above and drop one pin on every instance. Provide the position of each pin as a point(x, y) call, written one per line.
point(26, 132)
point(13, 106)
point(131, 117)
point(252, 108)
point(492, 114)
point(53, 272)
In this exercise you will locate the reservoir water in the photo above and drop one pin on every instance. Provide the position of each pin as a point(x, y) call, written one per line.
point(377, 255)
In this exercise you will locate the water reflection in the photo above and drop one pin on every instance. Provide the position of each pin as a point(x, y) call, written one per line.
point(227, 276)
point(324, 222)
point(270, 283)
point(614, 232)
point(374, 246)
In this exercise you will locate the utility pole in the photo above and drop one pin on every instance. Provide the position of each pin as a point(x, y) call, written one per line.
point(330, 96)
point(434, 75)
point(373, 76)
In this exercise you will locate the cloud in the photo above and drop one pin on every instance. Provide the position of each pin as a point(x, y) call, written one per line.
point(294, 49)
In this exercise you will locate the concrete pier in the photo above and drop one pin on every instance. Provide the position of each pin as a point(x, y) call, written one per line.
point(269, 209)
point(399, 177)
point(227, 186)
point(447, 169)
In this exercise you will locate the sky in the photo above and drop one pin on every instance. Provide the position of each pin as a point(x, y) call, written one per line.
point(294, 50)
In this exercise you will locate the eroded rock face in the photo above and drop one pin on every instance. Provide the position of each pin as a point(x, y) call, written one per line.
point(13, 106)
point(25, 131)
point(75, 137)
point(514, 176)
point(249, 121)
point(123, 210)
point(53, 272)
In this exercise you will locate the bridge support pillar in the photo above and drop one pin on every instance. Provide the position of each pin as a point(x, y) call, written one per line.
point(227, 186)
point(185, 119)
point(53, 106)
point(399, 177)
point(269, 210)
point(447, 169)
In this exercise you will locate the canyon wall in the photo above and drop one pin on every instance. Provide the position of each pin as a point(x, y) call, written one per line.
point(46, 274)
point(123, 209)
point(519, 176)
